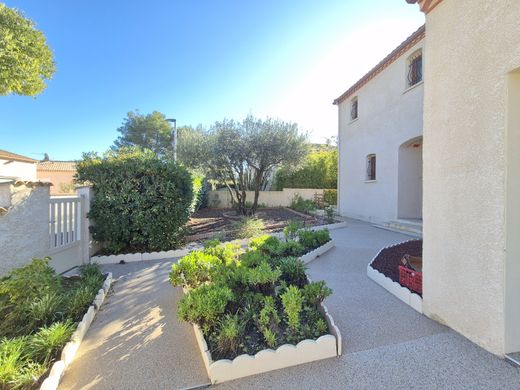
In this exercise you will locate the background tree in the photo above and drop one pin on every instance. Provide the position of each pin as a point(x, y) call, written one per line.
point(243, 155)
point(318, 170)
point(150, 131)
point(25, 59)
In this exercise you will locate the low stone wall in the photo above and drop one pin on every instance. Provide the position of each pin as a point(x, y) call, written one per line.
point(222, 198)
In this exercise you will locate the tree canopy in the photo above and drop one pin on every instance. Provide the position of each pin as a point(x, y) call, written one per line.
point(243, 155)
point(151, 131)
point(26, 61)
point(319, 170)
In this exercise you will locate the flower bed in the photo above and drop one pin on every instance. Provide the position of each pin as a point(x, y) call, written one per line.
point(384, 270)
point(255, 310)
point(40, 312)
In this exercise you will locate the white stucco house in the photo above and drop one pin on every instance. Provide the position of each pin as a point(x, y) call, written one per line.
point(466, 120)
point(380, 139)
point(16, 166)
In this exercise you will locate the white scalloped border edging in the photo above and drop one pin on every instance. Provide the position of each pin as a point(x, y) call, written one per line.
point(404, 294)
point(69, 351)
point(310, 256)
point(287, 355)
point(131, 257)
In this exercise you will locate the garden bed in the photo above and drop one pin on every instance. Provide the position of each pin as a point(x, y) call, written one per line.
point(384, 270)
point(44, 319)
point(256, 310)
point(207, 222)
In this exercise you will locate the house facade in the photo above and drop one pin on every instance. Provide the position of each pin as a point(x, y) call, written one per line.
point(380, 138)
point(470, 128)
point(60, 174)
point(16, 166)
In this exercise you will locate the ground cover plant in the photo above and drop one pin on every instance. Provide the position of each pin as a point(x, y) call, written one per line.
point(247, 300)
point(38, 314)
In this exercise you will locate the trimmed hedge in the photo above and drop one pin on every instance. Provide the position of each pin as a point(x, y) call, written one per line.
point(141, 203)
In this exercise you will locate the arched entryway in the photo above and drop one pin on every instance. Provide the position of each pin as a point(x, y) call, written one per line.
point(410, 186)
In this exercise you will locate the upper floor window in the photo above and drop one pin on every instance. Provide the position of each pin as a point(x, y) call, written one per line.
point(354, 109)
point(415, 68)
point(371, 167)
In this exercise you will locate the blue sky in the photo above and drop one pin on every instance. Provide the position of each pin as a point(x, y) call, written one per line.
point(196, 61)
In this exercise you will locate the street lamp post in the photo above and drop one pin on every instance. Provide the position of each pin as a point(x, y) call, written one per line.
point(174, 138)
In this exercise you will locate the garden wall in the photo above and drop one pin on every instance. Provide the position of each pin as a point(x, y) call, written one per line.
point(222, 198)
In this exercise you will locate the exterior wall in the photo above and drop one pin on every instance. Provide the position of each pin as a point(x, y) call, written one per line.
point(24, 229)
point(471, 47)
point(18, 169)
point(62, 181)
point(388, 116)
point(222, 198)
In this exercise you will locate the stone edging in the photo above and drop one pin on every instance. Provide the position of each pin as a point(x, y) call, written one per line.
point(287, 355)
point(69, 351)
point(404, 294)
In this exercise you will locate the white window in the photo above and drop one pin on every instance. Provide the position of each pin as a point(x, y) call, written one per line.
point(415, 73)
point(371, 167)
point(354, 109)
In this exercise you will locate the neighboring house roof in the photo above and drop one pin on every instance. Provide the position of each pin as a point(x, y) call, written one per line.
point(62, 166)
point(426, 5)
point(5, 155)
point(394, 55)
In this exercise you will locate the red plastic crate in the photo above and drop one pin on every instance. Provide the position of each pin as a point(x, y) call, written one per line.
point(410, 279)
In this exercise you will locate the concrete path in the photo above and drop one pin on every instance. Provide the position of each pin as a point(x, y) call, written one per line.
point(386, 344)
point(135, 341)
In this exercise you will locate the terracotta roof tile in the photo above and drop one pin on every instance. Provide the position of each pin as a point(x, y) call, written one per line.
point(5, 155)
point(64, 166)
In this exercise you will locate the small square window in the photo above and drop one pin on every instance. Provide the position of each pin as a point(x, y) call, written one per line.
point(354, 109)
point(371, 167)
point(415, 68)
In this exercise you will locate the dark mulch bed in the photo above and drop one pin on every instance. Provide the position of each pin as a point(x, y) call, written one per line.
point(388, 261)
point(213, 220)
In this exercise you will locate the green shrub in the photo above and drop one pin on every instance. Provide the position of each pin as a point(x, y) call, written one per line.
point(48, 341)
point(291, 248)
point(29, 282)
point(316, 292)
point(201, 188)
point(44, 310)
point(91, 269)
point(270, 246)
point(257, 242)
point(262, 277)
point(141, 202)
point(203, 305)
point(329, 213)
point(268, 322)
point(330, 197)
point(17, 370)
point(302, 205)
point(78, 301)
point(293, 271)
point(313, 239)
point(292, 301)
point(226, 253)
point(229, 334)
point(248, 227)
point(291, 230)
point(194, 269)
point(253, 258)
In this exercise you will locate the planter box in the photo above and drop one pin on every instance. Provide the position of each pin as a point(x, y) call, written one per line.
point(404, 294)
point(287, 355)
point(310, 256)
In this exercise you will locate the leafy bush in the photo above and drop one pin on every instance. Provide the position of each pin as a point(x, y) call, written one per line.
point(302, 205)
point(291, 230)
point(290, 248)
point(293, 271)
point(316, 292)
point(48, 341)
point(292, 301)
point(194, 269)
point(268, 322)
point(45, 310)
point(253, 258)
point(230, 331)
point(330, 196)
point(204, 305)
point(313, 239)
point(17, 370)
point(201, 188)
point(248, 227)
point(78, 301)
point(329, 213)
point(261, 278)
point(270, 246)
point(141, 203)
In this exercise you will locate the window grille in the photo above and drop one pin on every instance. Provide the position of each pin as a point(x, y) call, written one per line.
point(371, 167)
point(354, 109)
point(415, 69)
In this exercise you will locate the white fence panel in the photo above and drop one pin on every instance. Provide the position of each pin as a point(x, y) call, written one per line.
point(64, 221)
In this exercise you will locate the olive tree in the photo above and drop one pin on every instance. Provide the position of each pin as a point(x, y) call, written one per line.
point(25, 59)
point(243, 155)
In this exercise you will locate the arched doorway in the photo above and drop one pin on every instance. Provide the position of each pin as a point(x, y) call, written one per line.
point(410, 185)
